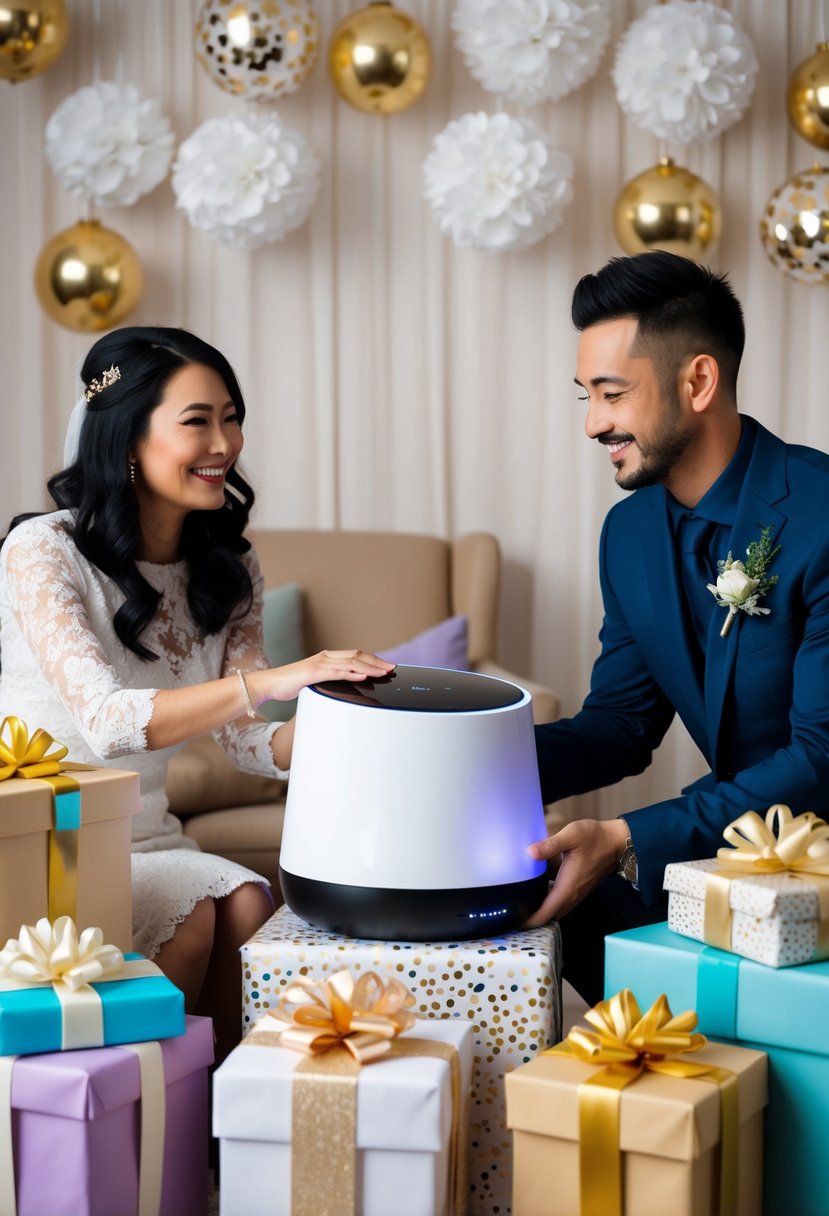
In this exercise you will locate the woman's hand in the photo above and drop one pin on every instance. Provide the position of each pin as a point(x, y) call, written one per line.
point(284, 683)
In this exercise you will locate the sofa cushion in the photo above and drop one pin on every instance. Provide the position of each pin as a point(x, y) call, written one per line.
point(282, 635)
point(444, 645)
point(200, 777)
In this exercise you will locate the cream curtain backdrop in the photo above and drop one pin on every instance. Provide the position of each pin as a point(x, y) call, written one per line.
point(394, 381)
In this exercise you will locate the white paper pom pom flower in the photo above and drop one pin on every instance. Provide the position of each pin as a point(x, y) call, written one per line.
point(245, 179)
point(685, 70)
point(108, 145)
point(496, 182)
point(531, 50)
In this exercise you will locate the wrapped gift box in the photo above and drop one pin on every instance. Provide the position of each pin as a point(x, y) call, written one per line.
point(782, 1012)
point(76, 1120)
point(508, 989)
point(774, 917)
point(108, 799)
point(669, 1136)
point(404, 1121)
point(34, 1019)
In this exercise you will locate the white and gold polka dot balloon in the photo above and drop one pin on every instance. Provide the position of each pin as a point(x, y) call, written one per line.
point(260, 49)
point(795, 226)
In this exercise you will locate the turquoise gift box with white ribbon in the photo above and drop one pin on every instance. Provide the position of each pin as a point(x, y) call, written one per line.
point(59, 991)
point(784, 1012)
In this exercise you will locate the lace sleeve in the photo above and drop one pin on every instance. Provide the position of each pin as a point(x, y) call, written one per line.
point(249, 746)
point(48, 592)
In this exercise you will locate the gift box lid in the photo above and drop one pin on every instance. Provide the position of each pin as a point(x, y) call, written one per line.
point(403, 1102)
point(735, 997)
point(106, 793)
point(86, 1084)
point(660, 1116)
point(769, 895)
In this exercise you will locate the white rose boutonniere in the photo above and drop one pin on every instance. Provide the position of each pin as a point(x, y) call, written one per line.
point(741, 584)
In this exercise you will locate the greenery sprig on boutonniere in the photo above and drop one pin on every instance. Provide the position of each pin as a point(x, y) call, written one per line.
point(741, 584)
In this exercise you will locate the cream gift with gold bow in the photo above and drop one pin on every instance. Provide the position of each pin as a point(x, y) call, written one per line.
point(341, 1103)
point(64, 836)
point(766, 897)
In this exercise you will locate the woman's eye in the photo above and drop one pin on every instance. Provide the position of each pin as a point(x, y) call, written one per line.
point(195, 420)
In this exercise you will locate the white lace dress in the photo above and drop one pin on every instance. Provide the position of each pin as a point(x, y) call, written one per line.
point(65, 669)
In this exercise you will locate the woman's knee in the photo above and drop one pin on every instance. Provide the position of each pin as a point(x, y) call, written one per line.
point(246, 909)
point(194, 935)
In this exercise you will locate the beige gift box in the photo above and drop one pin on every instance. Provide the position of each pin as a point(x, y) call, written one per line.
point(109, 797)
point(669, 1136)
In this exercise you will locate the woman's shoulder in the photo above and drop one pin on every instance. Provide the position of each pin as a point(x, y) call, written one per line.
point(41, 538)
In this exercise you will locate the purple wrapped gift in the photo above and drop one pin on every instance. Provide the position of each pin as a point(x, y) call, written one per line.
point(76, 1119)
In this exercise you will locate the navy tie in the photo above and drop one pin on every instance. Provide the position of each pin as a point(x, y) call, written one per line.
point(698, 570)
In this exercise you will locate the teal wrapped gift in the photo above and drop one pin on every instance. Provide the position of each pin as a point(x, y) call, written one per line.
point(782, 1012)
point(60, 991)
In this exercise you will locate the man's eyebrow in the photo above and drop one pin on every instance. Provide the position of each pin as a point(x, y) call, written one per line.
point(597, 380)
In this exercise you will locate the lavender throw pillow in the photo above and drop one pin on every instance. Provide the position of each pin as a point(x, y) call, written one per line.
point(444, 645)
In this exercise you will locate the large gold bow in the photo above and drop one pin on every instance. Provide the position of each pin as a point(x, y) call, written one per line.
point(49, 953)
point(627, 1043)
point(28, 757)
point(780, 843)
point(362, 1016)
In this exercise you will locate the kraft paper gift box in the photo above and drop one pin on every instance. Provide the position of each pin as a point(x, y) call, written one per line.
point(404, 1122)
point(508, 989)
point(669, 1137)
point(103, 881)
point(774, 917)
point(79, 1148)
point(781, 1012)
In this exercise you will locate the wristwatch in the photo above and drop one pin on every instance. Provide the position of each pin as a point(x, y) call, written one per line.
point(628, 867)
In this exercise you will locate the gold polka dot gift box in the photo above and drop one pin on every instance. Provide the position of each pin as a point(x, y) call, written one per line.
point(766, 897)
point(506, 989)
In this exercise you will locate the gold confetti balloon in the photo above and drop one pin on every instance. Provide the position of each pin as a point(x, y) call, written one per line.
point(379, 59)
point(257, 50)
point(667, 207)
point(795, 226)
point(807, 97)
point(88, 278)
point(32, 35)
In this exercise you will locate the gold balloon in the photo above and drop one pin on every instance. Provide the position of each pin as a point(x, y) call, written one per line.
point(795, 226)
point(32, 35)
point(259, 50)
point(807, 98)
point(88, 278)
point(667, 207)
point(379, 59)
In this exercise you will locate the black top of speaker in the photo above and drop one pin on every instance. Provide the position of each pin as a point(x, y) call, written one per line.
point(426, 690)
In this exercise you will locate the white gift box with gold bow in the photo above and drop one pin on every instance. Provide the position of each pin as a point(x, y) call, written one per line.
point(766, 898)
point(288, 1151)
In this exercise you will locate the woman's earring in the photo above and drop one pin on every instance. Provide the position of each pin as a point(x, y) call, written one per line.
point(132, 471)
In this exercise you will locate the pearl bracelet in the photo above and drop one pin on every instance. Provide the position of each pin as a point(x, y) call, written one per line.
point(250, 708)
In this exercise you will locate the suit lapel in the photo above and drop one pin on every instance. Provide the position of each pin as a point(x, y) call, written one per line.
point(765, 484)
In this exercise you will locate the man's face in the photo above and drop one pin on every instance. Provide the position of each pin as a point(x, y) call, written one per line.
point(628, 411)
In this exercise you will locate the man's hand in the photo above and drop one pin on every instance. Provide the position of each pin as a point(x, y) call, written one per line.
point(590, 850)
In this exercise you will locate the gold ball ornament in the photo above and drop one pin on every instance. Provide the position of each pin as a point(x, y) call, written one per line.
point(32, 35)
point(795, 226)
point(379, 59)
point(807, 97)
point(259, 50)
point(88, 278)
point(667, 207)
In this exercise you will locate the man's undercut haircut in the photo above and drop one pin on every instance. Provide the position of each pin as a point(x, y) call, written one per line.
point(681, 309)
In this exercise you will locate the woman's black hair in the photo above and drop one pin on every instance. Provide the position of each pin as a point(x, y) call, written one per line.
point(98, 491)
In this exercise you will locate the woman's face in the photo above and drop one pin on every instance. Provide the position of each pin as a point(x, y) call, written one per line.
point(193, 439)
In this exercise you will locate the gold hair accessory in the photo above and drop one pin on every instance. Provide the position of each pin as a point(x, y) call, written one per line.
point(98, 386)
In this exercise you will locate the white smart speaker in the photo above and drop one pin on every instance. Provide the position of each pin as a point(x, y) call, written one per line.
point(411, 803)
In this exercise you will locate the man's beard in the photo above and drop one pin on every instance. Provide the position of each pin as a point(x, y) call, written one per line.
point(660, 455)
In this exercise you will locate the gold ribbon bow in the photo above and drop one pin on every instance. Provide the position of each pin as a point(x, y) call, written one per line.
point(54, 954)
point(780, 843)
point(25, 757)
point(341, 1024)
point(627, 1043)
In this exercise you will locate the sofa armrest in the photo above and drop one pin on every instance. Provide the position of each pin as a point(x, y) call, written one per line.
point(546, 705)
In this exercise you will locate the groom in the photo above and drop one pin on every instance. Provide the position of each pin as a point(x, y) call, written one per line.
point(661, 341)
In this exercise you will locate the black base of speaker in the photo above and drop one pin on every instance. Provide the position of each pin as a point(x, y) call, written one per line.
point(394, 915)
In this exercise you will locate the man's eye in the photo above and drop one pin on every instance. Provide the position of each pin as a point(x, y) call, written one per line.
point(584, 398)
point(612, 396)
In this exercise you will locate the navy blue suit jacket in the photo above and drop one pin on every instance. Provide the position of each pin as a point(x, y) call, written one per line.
point(760, 711)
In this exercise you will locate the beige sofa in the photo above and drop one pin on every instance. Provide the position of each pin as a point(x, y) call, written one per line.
point(368, 589)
